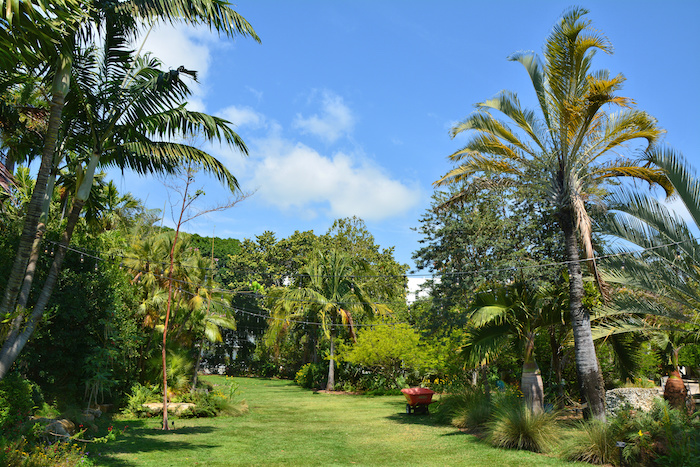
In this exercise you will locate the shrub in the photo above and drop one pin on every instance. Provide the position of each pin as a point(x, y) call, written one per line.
point(662, 436)
point(514, 426)
point(220, 400)
point(20, 454)
point(311, 376)
point(208, 401)
point(16, 402)
point(140, 395)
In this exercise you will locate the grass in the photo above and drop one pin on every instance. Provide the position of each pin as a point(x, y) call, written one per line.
point(288, 425)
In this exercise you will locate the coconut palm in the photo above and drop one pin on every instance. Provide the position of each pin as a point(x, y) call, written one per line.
point(569, 152)
point(330, 291)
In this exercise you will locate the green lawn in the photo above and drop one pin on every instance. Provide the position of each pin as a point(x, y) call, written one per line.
point(288, 425)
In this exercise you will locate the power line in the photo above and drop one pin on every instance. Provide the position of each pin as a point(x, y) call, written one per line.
point(399, 276)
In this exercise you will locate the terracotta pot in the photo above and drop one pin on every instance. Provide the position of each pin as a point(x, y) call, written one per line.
point(675, 391)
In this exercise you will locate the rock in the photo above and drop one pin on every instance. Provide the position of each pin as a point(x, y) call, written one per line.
point(103, 408)
point(96, 412)
point(176, 408)
point(61, 429)
point(640, 399)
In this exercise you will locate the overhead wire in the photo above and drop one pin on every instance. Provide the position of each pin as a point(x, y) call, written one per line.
point(291, 275)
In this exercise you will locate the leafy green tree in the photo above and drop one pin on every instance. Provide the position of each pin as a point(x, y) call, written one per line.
point(90, 337)
point(259, 264)
point(329, 291)
point(389, 349)
point(571, 149)
point(474, 238)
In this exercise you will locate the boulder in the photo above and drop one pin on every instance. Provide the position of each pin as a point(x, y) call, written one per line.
point(640, 399)
point(60, 429)
point(176, 408)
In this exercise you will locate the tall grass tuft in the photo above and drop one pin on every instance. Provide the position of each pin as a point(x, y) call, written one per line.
point(469, 409)
point(593, 442)
point(514, 426)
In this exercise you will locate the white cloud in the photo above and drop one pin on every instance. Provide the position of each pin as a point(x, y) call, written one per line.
point(243, 116)
point(183, 45)
point(335, 119)
point(296, 177)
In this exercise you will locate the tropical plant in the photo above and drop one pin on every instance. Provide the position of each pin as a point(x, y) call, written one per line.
point(120, 21)
point(515, 426)
point(569, 152)
point(330, 291)
point(666, 266)
point(593, 441)
point(515, 312)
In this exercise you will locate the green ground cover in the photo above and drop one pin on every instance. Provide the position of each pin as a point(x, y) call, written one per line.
point(288, 425)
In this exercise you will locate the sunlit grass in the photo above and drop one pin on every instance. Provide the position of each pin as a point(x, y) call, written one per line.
point(288, 425)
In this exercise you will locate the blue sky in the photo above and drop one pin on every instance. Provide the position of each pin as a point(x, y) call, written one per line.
point(346, 105)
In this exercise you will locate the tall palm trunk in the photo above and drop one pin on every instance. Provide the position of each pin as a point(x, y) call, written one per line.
point(16, 341)
point(531, 379)
point(34, 256)
point(589, 376)
point(34, 210)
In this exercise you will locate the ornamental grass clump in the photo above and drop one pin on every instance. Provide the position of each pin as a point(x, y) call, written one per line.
point(514, 426)
point(592, 442)
point(469, 409)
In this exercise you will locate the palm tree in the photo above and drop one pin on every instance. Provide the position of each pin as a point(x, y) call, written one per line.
point(516, 313)
point(569, 152)
point(120, 21)
point(114, 113)
point(666, 269)
point(31, 36)
point(330, 290)
point(667, 265)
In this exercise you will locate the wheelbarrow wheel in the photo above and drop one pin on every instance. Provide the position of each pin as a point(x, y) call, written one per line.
point(408, 409)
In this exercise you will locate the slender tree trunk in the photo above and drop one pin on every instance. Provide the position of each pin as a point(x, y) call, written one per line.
point(170, 300)
point(331, 367)
point(485, 379)
point(12, 347)
point(556, 365)
point(36, 245)
point(197, 364)
point(34, 210)
point(587, 369)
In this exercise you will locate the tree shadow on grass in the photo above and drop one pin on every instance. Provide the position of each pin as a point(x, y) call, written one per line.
point(140, 438)
point(423, 419)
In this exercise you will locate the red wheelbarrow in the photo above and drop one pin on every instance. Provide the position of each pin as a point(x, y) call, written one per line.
point(418, 399)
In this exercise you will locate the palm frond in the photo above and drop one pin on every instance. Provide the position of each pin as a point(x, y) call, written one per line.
point(217, 14)
point(682, 176)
